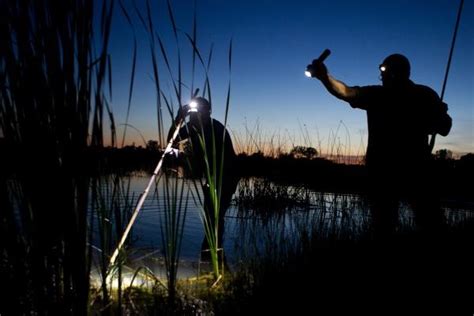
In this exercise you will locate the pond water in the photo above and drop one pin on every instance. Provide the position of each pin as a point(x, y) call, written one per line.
point(265, 219)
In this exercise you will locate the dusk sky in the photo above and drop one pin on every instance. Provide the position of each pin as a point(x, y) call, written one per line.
point(273, 41)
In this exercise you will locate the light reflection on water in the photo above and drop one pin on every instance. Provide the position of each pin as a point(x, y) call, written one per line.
point(264, 219)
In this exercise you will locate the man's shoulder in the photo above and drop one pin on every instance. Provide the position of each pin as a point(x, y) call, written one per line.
point(424, 91)
point(370, 87)
point(370, 91)
point(217, 124)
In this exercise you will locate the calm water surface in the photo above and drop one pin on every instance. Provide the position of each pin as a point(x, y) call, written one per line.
point(263, 219)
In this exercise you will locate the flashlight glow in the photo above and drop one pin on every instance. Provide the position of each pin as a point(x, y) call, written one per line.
point(307, 73)
point(383, 68)
point(193, 106)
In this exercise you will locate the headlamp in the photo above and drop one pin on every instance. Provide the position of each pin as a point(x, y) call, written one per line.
point(193, 106)
point(307, 73)
point(383, 68)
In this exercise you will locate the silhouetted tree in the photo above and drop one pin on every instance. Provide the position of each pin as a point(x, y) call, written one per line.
point(304, 152)
point(152, 145)
point(444, 154)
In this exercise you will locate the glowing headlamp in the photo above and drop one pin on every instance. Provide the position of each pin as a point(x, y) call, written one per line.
point(383, 68)
point(308, 74)
point(193, 106)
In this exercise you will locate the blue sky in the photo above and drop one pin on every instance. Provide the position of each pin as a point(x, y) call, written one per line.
point(273, 41)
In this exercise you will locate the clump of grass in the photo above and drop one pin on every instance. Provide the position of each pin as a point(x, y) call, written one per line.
point(260, 196)
point(111, 209)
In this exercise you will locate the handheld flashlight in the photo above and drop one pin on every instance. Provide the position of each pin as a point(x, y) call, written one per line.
point(309, 69)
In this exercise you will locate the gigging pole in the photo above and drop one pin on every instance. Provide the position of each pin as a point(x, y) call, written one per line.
point(433, 137)
point(321, 58)
point(144, 195)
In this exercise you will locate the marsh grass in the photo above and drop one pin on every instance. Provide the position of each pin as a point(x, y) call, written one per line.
point(54, 101)
point(256, 140)
point(329, 215)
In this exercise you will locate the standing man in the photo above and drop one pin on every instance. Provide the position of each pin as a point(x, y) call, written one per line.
point(400, 117)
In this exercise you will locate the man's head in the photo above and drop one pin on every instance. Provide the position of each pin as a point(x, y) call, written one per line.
point(395, 70)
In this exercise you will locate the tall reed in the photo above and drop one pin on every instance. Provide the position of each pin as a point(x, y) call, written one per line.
point(54, 71)
point(111, 208)
point(172, 228)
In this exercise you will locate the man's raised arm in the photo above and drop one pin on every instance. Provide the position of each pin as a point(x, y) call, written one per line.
point(337, 88)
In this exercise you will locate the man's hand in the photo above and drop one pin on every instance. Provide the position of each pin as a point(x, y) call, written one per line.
point(318, 70)
point(173, 153)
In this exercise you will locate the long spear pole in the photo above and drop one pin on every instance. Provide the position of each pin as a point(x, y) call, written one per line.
point(144, 195)
point(443, 89)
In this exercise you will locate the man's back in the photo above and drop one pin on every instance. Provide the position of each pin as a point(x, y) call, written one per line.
point(399, 122)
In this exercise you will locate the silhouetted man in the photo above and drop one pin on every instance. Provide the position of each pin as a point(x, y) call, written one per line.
point(211, 146)
point(400, 117)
